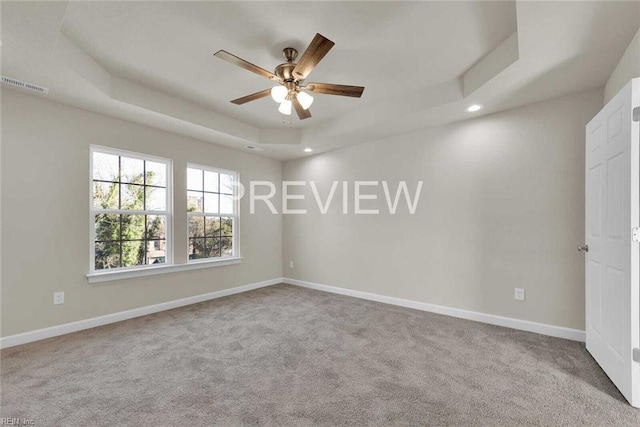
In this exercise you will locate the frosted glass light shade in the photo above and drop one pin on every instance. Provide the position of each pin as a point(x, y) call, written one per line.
point(285, 107)
point(305, 99)
point(278, 93)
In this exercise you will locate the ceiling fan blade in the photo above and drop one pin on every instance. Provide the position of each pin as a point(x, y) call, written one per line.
point(252, 97)
point(317, 49)
point(302, 113)
point(333, 89)
point(229, 57)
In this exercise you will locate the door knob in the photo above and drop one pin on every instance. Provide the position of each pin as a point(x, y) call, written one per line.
point(583, 248)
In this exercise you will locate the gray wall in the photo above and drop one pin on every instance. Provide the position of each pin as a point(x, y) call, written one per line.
point(45, 215)
point(502, 207)
point(627, 68)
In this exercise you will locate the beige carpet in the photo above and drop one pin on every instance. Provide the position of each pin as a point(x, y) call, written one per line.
point(289, 356)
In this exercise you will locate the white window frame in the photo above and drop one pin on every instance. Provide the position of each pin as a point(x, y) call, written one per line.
point(235, 216)
point(168, 212)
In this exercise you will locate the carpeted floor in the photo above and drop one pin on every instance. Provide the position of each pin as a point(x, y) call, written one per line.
point(289, 356)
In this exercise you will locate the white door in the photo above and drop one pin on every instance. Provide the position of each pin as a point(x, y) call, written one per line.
point(612, 260)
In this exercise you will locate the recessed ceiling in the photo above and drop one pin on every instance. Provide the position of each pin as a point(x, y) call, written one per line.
point(423, 63)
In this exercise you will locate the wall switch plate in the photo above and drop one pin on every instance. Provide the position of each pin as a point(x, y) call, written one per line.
point(290, 264)
point(58, 298)
point(519, 294)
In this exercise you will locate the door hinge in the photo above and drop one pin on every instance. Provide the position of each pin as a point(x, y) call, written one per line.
point(635, 234)
point(636, 114)
point(636, 355)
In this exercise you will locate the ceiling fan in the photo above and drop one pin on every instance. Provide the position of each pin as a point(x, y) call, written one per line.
point(290, 75)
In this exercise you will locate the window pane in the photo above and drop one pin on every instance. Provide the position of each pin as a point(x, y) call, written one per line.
point(196, 248)
point(211, 193)
point(156, 174)
point(194, 179)
point(133, 227)
point(107, 255)
point(133, 253)
point(131, 170)
point(226, 246)
point(106, 195)
point(156, 227)
point(132, 197)
point(226, 204)
point(105, 167)
point(210, 203)
point(156, 252)
point(107, 227)
point(196, 226)
point(226, 183)
point(194, 201)
point(211, 181)
point(227, 226)
point(156, 199)
point(212, 247)
point(212, 227)
point(124, 184)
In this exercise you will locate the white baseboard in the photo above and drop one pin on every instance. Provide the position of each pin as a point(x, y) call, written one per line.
point(523, 325)
point(67, 328)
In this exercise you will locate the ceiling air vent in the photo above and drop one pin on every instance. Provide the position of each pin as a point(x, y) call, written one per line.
point(24, 85)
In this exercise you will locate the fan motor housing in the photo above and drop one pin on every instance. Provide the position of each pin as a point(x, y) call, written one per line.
point(285, 71)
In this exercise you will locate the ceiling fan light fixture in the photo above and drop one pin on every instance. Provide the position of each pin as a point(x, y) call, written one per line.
point(285, 107)
point(305, 99)
point(279, 93)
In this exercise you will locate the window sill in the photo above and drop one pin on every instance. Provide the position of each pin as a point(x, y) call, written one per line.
point(107, 276)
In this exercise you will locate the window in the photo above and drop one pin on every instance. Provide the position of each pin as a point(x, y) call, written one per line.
point(130, 209)
point(212, 212)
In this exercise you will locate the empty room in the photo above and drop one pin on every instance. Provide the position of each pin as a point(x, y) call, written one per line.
point(376, 213)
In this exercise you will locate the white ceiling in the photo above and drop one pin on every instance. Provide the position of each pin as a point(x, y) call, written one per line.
point(422, 62)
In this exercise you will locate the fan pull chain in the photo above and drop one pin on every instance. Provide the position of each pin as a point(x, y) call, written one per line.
point(284, 123)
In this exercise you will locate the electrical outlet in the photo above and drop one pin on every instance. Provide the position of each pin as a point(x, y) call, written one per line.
point(290, 264)
point(58, 298)
point(519, 294)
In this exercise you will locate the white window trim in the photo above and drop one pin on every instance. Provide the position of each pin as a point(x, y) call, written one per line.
point(235, 215)
point(130, 272)
point(168, 213)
